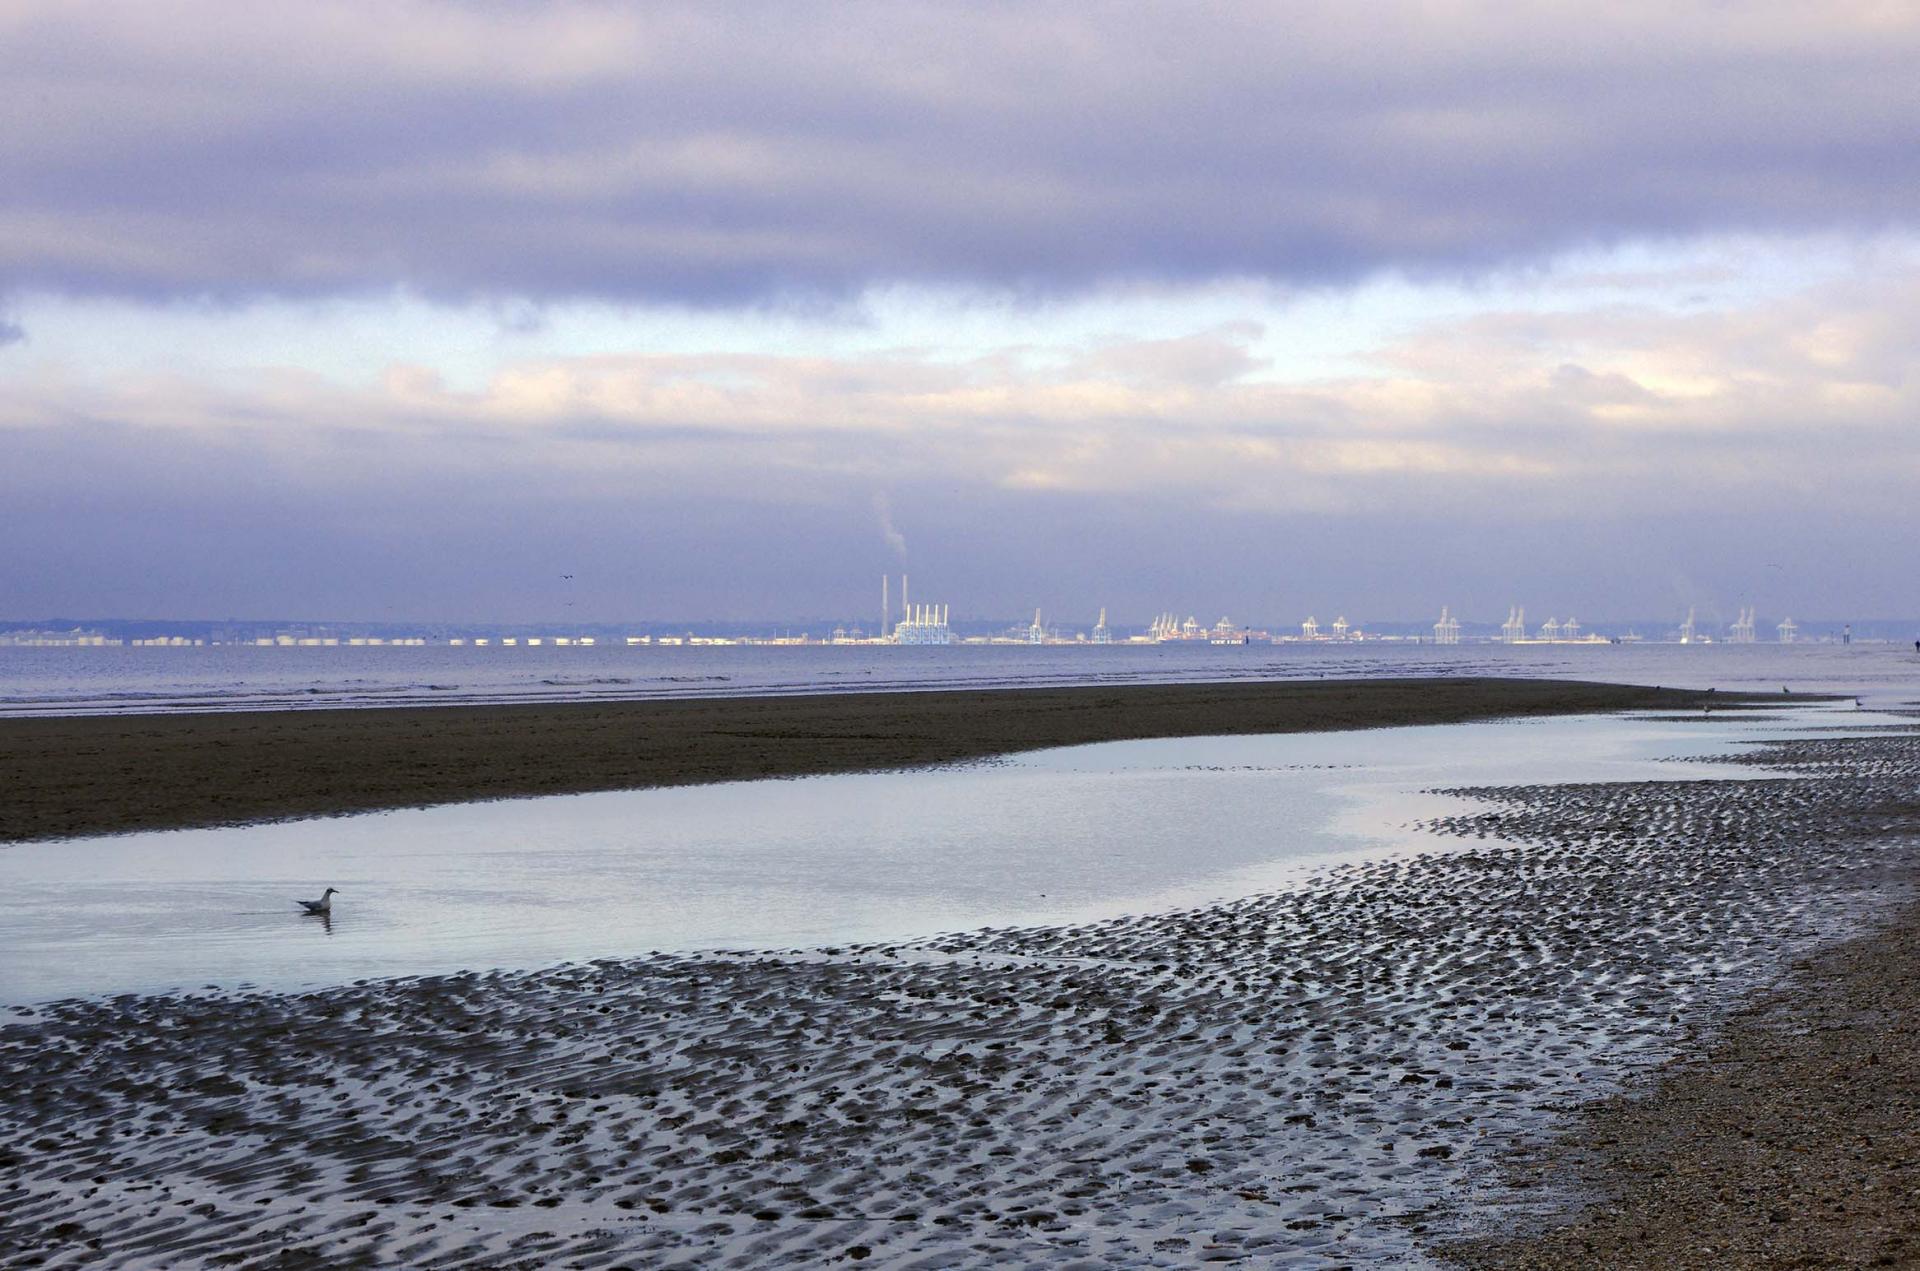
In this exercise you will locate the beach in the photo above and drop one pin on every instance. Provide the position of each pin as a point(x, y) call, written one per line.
point(711, 635)
point(1378, 1067)
point(1787, 1140)
point(1785, 1137)
point(101, 774)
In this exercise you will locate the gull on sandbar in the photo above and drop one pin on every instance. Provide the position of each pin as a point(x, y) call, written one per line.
point(324, 905)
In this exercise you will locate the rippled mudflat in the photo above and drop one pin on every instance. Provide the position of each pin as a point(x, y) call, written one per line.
point(1323, 1072)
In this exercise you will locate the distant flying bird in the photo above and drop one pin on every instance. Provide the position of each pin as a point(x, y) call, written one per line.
point(324, 905)
point(566, 575)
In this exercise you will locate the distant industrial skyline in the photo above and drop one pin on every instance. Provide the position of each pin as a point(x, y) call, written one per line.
point(931, 622)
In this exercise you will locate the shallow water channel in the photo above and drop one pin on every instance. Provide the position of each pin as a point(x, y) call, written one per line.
point(1054, 836)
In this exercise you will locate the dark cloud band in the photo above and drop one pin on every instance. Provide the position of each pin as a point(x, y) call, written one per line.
point(728, 153)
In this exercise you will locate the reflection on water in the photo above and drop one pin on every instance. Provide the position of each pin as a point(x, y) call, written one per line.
point(1055, 836)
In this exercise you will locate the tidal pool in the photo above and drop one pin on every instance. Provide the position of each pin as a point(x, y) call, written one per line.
point(1053, 836)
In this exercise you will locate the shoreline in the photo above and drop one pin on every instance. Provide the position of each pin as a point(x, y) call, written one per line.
point(1784, 1137)
point(1336, 1072)
point(75, 776)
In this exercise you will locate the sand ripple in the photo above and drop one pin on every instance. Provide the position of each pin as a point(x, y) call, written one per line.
point(1317, 1077)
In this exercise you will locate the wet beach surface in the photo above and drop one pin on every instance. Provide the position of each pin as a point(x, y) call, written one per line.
point(103, 774)
point(1332, 1074)
point(1786, 1138)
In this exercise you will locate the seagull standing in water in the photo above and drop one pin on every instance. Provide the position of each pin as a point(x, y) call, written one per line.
point(323, 906)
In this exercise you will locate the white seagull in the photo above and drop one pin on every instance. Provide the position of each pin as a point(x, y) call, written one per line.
point(324, 905)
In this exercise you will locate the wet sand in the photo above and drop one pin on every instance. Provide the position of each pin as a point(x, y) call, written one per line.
point(104, 774)
point(1790, 1137)
point(1792, 1140)
point(1331, 1075)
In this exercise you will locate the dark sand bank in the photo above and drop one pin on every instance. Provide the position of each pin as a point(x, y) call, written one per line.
point(104, 774)
point(1328, 1076)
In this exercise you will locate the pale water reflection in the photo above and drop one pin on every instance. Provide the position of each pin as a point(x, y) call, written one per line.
point(1060, 835)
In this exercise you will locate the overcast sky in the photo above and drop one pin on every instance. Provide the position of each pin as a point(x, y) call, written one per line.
point(404, 310)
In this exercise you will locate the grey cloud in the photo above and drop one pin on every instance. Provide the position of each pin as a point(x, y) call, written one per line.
point(230, 528)
point(1505, 414)
point(11, 333)
point(732, 153)
point(1576, 458)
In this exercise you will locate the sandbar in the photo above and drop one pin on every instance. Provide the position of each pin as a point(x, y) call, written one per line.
point(83, 775)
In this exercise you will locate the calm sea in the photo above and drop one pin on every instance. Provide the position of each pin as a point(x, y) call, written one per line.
point(37, 681)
